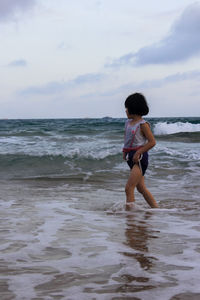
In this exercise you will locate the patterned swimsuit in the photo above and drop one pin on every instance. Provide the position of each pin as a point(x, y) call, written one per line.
point(133, 140)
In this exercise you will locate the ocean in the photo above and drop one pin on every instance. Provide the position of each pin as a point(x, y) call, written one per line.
point(65, 232)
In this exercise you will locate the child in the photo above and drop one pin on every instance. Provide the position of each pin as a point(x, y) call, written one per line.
point(137, 141)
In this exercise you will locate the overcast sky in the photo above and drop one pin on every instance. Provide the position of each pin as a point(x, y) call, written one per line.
point(82, 58)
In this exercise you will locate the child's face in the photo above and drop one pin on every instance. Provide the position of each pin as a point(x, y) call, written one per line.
point(127, 113)
point(131, 116)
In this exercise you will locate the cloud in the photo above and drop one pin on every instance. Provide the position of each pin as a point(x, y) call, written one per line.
point(89, 78)
point(8, 8)
point(53, 87)
point(182, 43)
point(152, 84)
point(18, 63)
point(64, 46)
point(57, 87)
point(174, 78)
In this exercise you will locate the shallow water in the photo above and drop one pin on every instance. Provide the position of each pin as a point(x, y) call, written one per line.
point(60, 241)
point(65, 232)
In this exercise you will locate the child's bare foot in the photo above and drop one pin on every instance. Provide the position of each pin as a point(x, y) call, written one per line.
point(129, 205)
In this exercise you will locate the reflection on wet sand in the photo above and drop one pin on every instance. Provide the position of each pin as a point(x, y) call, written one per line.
point(137, 235)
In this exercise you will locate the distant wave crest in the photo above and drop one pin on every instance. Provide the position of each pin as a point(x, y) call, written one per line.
point(164, 128)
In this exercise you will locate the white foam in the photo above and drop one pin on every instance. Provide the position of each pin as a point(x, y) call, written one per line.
point(177, 151)
point(163, 128)
point(97, 149)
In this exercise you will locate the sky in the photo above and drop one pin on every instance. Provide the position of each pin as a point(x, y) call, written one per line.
point(82, 58)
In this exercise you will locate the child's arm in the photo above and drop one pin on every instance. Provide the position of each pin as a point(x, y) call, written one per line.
point(124, 155)
point(145, 128)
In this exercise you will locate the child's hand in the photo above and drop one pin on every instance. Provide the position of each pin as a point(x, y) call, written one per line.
point(124, 155)
point(136, 156)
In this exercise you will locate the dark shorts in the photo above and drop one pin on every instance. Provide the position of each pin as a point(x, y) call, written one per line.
point(143, 161)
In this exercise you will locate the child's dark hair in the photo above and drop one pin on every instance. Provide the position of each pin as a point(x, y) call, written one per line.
point(137, 105)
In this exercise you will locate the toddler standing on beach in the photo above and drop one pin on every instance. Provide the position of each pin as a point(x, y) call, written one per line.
point(138, 140)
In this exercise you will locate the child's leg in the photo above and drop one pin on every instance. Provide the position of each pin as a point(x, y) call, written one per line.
point(134, 179)
point(141, 187)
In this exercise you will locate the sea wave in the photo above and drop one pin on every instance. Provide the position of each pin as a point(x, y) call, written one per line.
point(76, 148)
point(74, 158)
point(56, 166)
point(165, 128)
point(183, 137)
